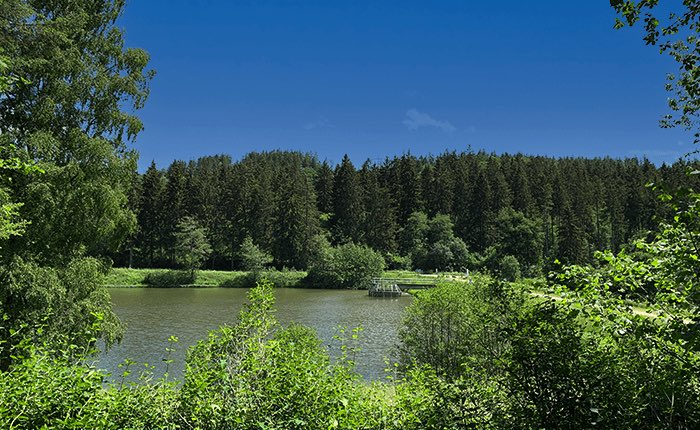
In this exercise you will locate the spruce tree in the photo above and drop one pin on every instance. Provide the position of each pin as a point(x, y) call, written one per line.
point(175, 202)
point(347, 204)
point(324, 188)
point(151, 231)
point(379, 226)
point(296, 218)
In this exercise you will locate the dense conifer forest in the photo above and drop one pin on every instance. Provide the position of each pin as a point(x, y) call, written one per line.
point(454, 211)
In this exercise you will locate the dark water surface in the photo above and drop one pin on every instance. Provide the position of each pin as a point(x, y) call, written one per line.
point(152, 315)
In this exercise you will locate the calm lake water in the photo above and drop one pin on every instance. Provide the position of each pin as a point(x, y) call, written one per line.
point(152, 315)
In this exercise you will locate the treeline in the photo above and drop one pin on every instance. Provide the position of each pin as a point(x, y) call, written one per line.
point(454, 211)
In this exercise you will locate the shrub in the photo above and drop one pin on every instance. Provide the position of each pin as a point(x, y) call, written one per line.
point(258, 375)
point(280, 279)
point(453, 325)
point(509, 268)
point(66, 308)
point(50, 389)
point(170, 278)
point(347, 266)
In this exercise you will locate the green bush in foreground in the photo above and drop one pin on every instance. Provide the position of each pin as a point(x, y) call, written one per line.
point(496, 359)
point(65, 308)
point(258, 375)
point(505, 359)
point(48, 390)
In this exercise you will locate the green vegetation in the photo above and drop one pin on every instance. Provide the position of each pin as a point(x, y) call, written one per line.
point(474, 353)
point(57, 306)
point(253, 259)
point(454, 211)
point(347, 266)
point(191, 246)
point(122, 277)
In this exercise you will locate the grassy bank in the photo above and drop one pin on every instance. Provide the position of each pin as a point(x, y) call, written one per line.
point(123, 277)
point(128, 278)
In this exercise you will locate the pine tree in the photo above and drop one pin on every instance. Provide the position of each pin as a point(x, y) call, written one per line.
point(379, 226)
point(151, 232)
point(324, 188)
point(481, 216)
point(444, 178)
point(347, 204)
point(206, 200)
point(463, 188)
point(500, 196)
point(296, 218)
point(519, 184)
point(572, 246)
point(407, 192)
point(175, 203)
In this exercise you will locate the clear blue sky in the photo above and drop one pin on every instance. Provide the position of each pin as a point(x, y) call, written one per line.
point(379, 78)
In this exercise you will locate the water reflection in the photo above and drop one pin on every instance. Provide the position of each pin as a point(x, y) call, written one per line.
point(153, 315)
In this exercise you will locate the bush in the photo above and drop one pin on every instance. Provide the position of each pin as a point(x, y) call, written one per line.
point(65, 308)
point(280, 279)
point(453, 325)
point(509, 268)
point(50, 389)
point(258, 375)
point(527, 362)
point(170, 278)
point(347, 266)
point(399, 262)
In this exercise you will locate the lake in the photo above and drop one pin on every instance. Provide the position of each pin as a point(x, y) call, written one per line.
point(152, 315)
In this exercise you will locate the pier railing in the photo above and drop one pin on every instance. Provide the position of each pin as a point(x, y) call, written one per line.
point(393, 287)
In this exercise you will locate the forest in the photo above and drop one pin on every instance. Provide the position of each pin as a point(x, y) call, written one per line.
point(452, 212)
point(608, 336)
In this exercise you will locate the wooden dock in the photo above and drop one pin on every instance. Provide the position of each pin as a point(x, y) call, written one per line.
point(395, 287)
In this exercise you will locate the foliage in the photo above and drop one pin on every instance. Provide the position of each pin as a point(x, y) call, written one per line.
point(452, 326)
point(503, 359)
point(70, 111)
point(398, 262)
point(191, 245)
point(10, 222)
point(59, 307)
point(509, 268)
point(48, 390)
point(347, 266)
point(347, 216)
point(664, 274)
point(520, 237)
point(170, 278)
point(256, 374)
point(253, 259)
point(563, 208)
point(432, 245)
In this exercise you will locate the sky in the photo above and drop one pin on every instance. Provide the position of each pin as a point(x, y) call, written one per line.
point(379, 78)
